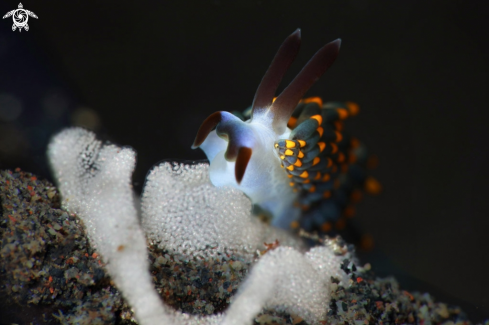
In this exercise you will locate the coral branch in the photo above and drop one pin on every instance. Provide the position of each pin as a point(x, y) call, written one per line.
point(185, 214)
point(95, 183)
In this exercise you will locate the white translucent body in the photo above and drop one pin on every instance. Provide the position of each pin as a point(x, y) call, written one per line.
point(265, 182)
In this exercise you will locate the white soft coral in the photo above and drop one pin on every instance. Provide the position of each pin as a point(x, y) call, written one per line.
point(187, 215)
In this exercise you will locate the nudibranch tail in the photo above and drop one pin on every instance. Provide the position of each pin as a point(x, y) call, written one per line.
point(280, 64)
point(286, 102)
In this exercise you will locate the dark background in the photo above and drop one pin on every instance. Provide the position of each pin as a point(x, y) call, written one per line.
point(147, 73)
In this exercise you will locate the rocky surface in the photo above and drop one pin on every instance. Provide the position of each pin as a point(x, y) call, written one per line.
point(50, 275)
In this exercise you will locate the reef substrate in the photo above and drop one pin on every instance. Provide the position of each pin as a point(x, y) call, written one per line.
point(49, 274)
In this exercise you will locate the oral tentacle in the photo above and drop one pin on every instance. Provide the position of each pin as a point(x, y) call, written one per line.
point(237, 133)
point(244, 156)
point(213, 145)
point(228, 127)
point(206, 127)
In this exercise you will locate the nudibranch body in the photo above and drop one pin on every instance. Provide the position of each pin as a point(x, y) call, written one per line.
point(287, 154)
point(262, 179)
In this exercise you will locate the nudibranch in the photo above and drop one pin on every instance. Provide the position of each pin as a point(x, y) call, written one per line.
point(287, 154)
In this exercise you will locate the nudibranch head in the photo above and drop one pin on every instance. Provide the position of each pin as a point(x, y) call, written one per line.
point(243, 154)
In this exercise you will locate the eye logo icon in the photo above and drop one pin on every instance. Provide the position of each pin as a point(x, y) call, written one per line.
point(20, 17)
